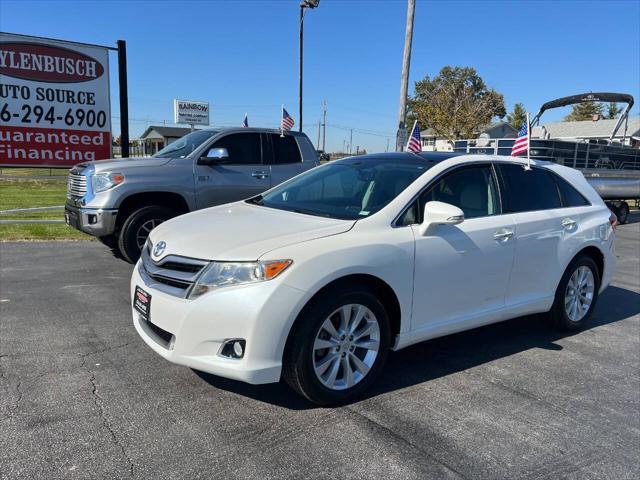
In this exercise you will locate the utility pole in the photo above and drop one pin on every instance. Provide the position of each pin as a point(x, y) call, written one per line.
point(344, 145)
point(318, 143)
point(387, 145)
point(401, 136)
point(351, 141)
point(324, 124)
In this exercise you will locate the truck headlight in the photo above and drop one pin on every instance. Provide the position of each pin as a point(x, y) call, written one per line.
point(105, 181)
point(226, 274)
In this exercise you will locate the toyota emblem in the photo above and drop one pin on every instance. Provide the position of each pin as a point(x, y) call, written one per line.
point(159, 248)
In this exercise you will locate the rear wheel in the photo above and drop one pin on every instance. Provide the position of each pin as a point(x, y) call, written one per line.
point(337, 347)
point(576, 295)
point(136, 229)
point(622, 212)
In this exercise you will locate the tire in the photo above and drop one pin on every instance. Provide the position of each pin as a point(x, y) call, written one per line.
point(622, 212)
point(562, 315)
point(301, 360)
point(136, 228)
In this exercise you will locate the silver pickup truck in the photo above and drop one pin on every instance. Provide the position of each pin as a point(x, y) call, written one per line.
point(121, 201)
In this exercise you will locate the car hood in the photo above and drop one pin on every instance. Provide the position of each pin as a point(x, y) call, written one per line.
point(118, 164)
point(241, 231)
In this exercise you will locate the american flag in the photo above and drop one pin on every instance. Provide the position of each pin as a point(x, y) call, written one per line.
point(287, 121)
point(245, 122)
point(521, 144)
point(415, 141)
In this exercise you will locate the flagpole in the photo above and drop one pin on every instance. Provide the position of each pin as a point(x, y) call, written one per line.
point(528, 143)
point(281, 118)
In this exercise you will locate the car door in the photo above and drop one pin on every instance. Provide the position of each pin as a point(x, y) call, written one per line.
point(532, 197)
point(462, 271)
point(283, 157)
point(242, 175)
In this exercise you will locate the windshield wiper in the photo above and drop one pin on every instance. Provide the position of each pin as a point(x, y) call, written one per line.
point(256, 200)
point(311, 212)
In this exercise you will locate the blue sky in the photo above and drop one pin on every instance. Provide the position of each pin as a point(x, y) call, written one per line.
point(242, 55)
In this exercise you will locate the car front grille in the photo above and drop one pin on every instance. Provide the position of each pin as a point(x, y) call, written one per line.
point(76, 185)
point(173, 274)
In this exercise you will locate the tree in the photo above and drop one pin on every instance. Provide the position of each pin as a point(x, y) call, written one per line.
point(584, 111)
point(613, 110)
point(455, 103)
point(517, 117)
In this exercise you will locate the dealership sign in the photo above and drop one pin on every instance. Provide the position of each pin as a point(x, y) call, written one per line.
point(54, 102)
point(193, 113)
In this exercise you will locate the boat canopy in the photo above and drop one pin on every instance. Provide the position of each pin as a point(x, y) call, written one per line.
point(590, 97)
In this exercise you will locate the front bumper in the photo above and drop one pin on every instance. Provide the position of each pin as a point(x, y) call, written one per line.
point(193, 331)
point(94, 221)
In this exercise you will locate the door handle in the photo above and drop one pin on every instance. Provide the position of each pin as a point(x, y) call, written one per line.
point(569, 223)
point(260, 175)
point(503, 235)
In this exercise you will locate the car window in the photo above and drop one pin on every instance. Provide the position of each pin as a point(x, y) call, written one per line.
point(348, 189)
point(472, 189)
point(285, 150)
point(243, 148)
point(528, 190)
point(570, 196)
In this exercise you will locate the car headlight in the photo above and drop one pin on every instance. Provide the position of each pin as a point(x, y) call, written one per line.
point(105, 181)
point(226, 274)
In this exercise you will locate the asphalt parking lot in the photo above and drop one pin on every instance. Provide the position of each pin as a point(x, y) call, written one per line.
point(81, 396)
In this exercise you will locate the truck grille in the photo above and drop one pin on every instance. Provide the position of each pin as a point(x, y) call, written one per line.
point(76, 185)
point(173, 274)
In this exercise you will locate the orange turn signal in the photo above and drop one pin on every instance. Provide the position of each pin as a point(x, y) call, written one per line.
point(275, 267)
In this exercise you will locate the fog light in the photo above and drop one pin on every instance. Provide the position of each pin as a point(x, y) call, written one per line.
point(233, 348)
point(93, 219)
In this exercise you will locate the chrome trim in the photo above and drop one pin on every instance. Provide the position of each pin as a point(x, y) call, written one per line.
point(166, 274)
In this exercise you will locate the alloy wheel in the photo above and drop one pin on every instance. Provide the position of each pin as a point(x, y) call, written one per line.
point(579, 293)
point(346, 347)
point(144, 230)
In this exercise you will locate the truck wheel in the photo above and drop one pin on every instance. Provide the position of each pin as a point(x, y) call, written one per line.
point(136, 229)
point(337, 347)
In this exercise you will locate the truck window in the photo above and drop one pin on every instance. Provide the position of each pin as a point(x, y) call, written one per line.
point(285, 150)
point(243, 148)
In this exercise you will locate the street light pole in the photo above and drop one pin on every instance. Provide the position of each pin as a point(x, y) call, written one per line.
point(401, 136)
point(300, 65)
point(303, 4)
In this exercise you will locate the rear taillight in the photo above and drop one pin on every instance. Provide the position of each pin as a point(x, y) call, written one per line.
point(613, 221)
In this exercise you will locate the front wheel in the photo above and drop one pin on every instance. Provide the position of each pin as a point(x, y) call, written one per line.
point(576, 295)
point(136, 229)
point(337, 347)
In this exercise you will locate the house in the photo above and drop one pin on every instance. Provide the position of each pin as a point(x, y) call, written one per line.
point(434, 143)
point(155, 138)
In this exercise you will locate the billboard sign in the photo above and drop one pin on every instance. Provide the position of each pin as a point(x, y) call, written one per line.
point(191, 112)
point(55, 109)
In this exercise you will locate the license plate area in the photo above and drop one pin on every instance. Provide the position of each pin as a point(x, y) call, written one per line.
point(142, 303)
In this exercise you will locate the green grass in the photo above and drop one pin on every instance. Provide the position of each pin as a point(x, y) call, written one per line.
point(19, 193)
point(31, 172)
point(26, 193)
point(31, 232)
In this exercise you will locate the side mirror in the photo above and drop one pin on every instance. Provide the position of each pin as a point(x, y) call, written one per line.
point(214, 156)
point(440, 213)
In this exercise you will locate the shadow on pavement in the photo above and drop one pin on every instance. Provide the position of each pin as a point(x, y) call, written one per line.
point(454, 353)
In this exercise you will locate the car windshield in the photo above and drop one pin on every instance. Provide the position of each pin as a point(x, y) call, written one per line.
point(185, 145)
point(348, 189)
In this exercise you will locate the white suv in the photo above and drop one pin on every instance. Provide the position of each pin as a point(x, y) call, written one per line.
point(315, 280)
